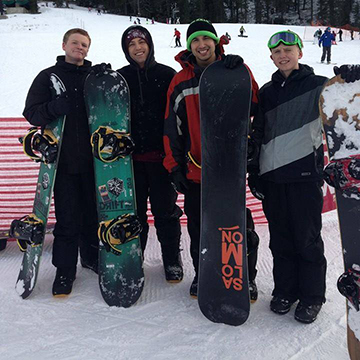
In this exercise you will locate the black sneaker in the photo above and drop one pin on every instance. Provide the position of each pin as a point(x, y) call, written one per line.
point(194, 288)
point(63, 282)
point(173, 270)
point(253, 291)
point(307, 313)
point(280, 305)
point(91, 265)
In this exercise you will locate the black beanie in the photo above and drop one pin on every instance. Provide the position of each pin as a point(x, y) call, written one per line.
point(200, 27)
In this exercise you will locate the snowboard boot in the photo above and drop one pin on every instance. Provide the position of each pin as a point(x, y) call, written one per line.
point(194, 288)
point(253, 291)
point(306, 313)
point(91, 265)
point(63, 282)
point(173, 268)
point(280, 305)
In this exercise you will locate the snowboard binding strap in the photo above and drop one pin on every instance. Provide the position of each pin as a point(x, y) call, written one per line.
point(27, 230)
point(344, 175)
point(348, 284)
point(45, 143)
point(110, 142)
point(118, 231)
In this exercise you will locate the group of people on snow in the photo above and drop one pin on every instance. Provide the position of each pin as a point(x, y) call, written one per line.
point(286, 175)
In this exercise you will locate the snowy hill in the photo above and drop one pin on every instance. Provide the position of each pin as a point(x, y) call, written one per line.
point(166, 323)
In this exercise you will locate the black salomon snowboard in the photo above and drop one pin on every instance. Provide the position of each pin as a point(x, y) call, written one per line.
point(225, 97)
point(30, 230)
point(121, 275)
point(339, 108)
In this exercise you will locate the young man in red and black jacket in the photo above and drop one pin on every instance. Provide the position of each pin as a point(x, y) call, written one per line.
point(182, 133)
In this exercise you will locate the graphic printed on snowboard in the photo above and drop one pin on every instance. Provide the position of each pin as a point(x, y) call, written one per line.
point(30, 230)
point(339, 109)
point(121, 275)
point(225, 97)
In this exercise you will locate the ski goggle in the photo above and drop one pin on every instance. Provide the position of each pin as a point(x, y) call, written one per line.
point(286, 37)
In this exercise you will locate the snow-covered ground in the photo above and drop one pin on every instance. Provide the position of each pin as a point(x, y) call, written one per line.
point(165, 323)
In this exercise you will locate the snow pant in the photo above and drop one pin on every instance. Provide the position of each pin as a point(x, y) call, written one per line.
point(192, 207)
point(152, 181)
point(76, 219)
point(177, 42)
point(293, 212)
point(327, 53)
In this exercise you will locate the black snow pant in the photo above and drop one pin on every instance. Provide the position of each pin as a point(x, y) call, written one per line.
point(76, 219)
point(177, 42)
point(152, 181)
point(327, 53)
point(192, 207)
point(293, 212)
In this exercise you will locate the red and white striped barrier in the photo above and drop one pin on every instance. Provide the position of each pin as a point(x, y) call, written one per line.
point(18, 175)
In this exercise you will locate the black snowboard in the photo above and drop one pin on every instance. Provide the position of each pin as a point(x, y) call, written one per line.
point(225, 96)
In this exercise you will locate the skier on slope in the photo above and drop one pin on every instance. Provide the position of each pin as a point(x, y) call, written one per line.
point(289, 175)
point(177, 36)
point(148, 82)
point(326, 40)
point(182, 135)
point(74, 191)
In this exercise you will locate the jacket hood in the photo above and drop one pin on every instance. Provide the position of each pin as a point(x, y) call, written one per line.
point(150, 59)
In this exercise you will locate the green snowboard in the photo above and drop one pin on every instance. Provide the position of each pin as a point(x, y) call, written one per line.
point(30, 230)
point(121, 275)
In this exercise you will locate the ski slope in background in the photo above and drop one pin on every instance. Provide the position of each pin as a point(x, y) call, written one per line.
point(166, 323)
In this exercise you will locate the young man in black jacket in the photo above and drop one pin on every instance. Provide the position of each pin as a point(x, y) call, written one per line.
point(74, 191)
point(148, 82)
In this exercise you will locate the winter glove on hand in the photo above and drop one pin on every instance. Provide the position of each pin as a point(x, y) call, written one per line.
point(349, 73)
point(252, 151)
point(232, 61)
point(179, 181)
point(100, 69)
point(256, 186)
point(60, 106)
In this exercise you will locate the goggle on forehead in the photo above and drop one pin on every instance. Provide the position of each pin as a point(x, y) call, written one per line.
point(286, 37)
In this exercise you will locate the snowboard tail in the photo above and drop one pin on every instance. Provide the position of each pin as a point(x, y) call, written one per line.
point(225, 97)
point(121, 276)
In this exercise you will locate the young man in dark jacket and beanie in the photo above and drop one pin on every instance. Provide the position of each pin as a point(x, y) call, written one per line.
point(74, 190)
point(148, 82)
point(288, 130)
point(182, 134)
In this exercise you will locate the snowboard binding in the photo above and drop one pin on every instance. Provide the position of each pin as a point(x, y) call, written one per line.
point(45, 143)
point(344, 175)
point(111, 143)
point(27, 230)
point(348, 284)
point(119, 231)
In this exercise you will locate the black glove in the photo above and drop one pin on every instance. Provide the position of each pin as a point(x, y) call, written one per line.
point(179, 181)
point(349, 73)
point(256, 186)
point(319, 45)
point(252, 151)
point(232, 61)
point(100, 69)
point(60, 106)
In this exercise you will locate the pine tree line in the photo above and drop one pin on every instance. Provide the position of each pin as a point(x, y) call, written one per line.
point(297, 12)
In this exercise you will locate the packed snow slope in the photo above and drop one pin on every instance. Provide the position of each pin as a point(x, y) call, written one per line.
point(165, 323)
